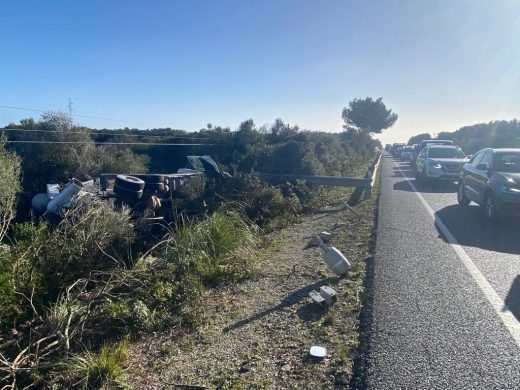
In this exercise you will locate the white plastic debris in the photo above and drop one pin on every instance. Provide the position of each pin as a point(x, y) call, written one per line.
point(325, 236)
point(64, 198)
point(320, 238)
point(318, 299)
point(52, 190)
point(335, 260)
point(318, 352)
point(329, 294)
point(89, 185)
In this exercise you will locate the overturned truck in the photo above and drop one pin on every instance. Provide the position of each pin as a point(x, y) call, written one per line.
point(148, 195)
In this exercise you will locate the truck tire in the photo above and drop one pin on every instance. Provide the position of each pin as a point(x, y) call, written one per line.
point(129, 183)
point(125, 193)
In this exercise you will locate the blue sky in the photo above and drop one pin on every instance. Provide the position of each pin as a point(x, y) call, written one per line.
point(440, 64)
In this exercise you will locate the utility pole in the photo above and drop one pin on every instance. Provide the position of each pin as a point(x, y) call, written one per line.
point(70, 108)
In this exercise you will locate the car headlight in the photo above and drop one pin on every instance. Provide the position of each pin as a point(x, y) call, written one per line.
point(435, 165)
point(510, 190)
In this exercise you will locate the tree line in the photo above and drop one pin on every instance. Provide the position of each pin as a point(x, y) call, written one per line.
point(62, 149)
point(494, 134)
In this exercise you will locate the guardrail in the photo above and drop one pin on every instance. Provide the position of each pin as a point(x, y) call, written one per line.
point(363, 185)
point(320, 180)
point(372, 173)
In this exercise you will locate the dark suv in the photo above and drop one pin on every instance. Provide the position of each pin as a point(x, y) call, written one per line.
point(492, 179)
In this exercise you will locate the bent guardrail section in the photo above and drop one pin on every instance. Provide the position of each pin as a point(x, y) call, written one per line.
point(363, 185)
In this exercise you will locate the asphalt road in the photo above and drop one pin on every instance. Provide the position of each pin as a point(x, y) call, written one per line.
point(445, 300)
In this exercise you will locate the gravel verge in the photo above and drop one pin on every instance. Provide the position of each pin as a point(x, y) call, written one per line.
point(257, 334)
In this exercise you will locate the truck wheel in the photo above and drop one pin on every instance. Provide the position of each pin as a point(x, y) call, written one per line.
point(129, 183)
point(125, 193)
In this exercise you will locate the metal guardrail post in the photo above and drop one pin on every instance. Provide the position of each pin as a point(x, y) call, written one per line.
point(373, 168)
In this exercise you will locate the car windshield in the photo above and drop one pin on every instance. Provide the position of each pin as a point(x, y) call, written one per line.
point(437, 143)
point(407, 149)
point(507, 162)
point(446, 153)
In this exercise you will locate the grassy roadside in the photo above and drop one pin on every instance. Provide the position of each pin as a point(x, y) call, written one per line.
point(358, 377)
point(219, 288)
point(256, 334)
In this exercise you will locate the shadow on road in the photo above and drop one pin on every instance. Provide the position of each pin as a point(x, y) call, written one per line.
point(433, 187)
point(403, 173)
point(513, 298)
point(407, 171)
point(469, 228)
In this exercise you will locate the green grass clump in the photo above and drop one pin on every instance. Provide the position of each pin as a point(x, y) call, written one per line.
point(218, 250)
point(104, 369)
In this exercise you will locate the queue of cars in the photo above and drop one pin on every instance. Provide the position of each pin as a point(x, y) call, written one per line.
point(490, 178)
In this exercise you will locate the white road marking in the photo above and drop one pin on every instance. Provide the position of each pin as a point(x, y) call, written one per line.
point(501, 309)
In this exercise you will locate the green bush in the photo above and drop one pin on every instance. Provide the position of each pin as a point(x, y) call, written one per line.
point(11, 309)
point(9, 177)
point(44, 261)
point(265, 205)
point(118, 159)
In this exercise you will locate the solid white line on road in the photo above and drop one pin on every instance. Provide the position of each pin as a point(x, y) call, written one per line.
point(501, 309)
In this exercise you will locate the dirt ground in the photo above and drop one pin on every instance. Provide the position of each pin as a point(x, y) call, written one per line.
point(257, 334)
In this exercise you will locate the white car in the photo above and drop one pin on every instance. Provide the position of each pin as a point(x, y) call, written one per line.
point(441, 162)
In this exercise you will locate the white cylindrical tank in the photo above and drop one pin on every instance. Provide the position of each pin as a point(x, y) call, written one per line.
point(64, 197)
point(335, 260)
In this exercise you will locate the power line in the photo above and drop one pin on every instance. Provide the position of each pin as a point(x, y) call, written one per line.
point(70, 112)
point(93, 133)
point(106, 143)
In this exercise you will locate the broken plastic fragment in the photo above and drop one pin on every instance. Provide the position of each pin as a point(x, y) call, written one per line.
point(318, 352)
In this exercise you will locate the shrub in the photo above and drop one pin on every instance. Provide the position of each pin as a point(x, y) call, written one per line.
point(54, 161)
point(118, 159)
point(45, 261)
point(9, 177)
point(265, 205)
point(10, 307)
